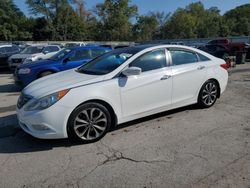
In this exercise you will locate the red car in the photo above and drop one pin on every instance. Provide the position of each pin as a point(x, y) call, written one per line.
point(232, 47)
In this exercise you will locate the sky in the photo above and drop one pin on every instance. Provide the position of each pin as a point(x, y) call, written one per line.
point(144, 6)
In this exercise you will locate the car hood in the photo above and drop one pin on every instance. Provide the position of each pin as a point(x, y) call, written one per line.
point(59, 81)
point(23, 56)
point(36, 63)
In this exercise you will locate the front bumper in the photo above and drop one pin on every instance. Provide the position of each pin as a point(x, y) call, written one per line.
point(50, 123)
point(22, 80)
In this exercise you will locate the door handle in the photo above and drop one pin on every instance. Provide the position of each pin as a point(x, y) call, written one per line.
point(201, 67)
point(165, 77)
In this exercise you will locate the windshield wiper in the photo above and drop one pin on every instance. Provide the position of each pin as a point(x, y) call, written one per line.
point(89, 72)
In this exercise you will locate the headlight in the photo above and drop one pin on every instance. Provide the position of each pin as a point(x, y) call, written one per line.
point(45, 102)
point(24, 71)
point(27, 60)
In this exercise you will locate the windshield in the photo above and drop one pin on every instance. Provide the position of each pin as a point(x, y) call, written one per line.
point(59, 55)
point(70, 45)
point(32, 50)
point(108, 62)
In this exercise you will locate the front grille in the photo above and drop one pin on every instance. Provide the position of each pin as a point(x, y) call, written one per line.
point(16, 71)
point(22, 100)
point(17, 60)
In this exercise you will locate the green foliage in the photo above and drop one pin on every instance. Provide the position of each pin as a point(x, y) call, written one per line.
point(13, 24)
point(114, 19)
point(145, 28)
point(117, 20)
point(238, 20)
point(194, 21)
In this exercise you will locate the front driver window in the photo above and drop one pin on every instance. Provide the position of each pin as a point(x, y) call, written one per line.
point(151, 61)
point(80, 55)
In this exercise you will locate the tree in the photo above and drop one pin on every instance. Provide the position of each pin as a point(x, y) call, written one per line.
point(238, 20)
point(194, 21)
point(13, 24)
point(181, 25)
point(62, 22)
point(162, 18)
point(114, 19)
point(145, 28)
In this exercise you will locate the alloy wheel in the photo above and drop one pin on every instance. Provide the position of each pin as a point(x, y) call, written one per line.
point(90, 123)
point(209, 93)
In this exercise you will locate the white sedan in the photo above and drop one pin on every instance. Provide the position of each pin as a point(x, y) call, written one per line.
point(117, 87)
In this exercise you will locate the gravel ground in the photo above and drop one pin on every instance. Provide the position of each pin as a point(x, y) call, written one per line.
point(187, 147)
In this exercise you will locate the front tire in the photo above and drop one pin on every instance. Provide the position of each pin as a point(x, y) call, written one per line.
point(89, 123)
point(208, 94)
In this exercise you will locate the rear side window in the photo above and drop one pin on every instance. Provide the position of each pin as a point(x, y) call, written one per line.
point(51, 48)
point(80, 55)
point(180, 57)
point(14, 49)
point(203, 58)
point(8, 49)
point(2, 50)
point(97, 52)
point(151, 61)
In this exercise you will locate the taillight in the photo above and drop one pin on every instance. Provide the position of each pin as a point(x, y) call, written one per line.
point(224, 66)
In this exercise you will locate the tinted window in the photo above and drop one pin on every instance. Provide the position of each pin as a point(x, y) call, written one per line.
point(61, 54)
point(14, 49)
point(97, 52)
point(80, 55)
point(151, 61)
point(2, 50)
point(211, 47)
point(51, 48)
point(108, 62)
point(220, 48)
point(202, 57)
point(32, 50)
point(8, 49)
point(180, 57)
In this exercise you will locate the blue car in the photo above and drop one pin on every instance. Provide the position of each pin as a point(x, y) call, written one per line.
point(65, 59)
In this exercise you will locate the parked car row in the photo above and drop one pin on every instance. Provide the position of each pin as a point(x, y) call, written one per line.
point(13, 55)
point(6, 51)
point(32, 53)
point(65, 59)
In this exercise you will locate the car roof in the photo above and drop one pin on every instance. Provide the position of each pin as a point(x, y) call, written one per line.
point(88, 47)
point(6, 45)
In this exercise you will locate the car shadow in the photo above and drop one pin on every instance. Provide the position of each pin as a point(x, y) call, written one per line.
point(10, 88)
point(14, 140)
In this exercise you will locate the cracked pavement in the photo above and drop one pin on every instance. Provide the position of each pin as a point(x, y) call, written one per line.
point(187, 147)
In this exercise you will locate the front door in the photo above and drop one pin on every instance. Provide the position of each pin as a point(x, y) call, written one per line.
point(151, 90)
point(75, 59)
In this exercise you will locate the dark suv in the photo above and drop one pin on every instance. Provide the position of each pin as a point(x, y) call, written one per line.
point(6, 51)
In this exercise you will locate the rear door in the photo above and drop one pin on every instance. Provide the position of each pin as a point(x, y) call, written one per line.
point(188, 74)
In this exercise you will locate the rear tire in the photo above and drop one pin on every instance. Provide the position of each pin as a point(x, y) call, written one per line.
point(89, 123)
point(208, 94)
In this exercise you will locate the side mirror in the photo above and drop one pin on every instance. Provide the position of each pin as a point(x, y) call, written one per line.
point(45, 52)
point(66, 60)
point(132, 71)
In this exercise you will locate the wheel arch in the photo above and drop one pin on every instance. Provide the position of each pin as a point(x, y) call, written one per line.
point(216, 81)
point(108, 106)
point(46, 70)
point(218, 84)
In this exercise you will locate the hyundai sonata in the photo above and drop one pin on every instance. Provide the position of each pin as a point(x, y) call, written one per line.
point(117, 87)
